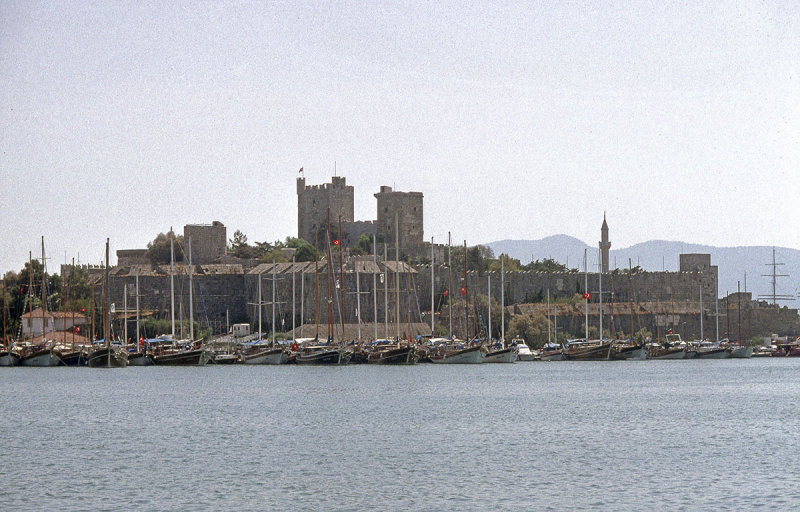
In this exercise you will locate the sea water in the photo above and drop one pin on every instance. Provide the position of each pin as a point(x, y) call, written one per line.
point(651, 435)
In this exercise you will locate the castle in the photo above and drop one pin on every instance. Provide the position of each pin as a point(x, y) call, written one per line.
point(226, 288)
point(399, 217)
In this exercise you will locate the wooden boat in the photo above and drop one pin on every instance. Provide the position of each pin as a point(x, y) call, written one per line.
point(75, 358)
point(266, 356)
point(393, 354)
point(501, 355)
point(323, 355)
point(657, 351)
point(470, 355)
point(709, 351)
point(741, 352)
point(9, 358)
point(108, 357)
point(626, 350)
point(551, 352)
point(597, 350)
point(190, 357)
point(140, 359)
point(41, 357)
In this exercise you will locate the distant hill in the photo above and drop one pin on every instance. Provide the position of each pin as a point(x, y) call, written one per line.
point(655, 255)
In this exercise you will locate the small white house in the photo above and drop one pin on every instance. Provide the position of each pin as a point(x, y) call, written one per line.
point(53, 321)
point(240, 330)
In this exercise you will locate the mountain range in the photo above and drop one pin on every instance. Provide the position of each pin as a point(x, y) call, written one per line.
point(750, 266)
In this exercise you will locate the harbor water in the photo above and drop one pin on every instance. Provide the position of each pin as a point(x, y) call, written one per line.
point(651, 435)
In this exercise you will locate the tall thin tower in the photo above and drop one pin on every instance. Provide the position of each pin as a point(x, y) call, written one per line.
point(605, 245)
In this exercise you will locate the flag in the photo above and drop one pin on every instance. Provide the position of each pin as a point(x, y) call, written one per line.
point(445, 293)
point(587, 296)
point(300, 171)
point(463, 291)
point(335, 242)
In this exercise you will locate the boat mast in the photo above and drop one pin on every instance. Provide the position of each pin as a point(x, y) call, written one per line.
point(433, 298)
point(302, 301)
point(489, 303)
point(397, 277)
point(466, 294)
point(138, 347)
point(273, 301)
point(107, 326)
point(548, 317)
point(375, 286)
point(600, 294)
point(701, 311)
point(358, 301)
point(316, 283)
point(30, 291)
point(330, 281)
point(294, 299)
point(450, 279)
point(341, 278)
point(630, 293)
point(586, 292)
point(125, 314)
point(385, 291)
point(739, 310)
point(172, 281)
point(502, 300)
point(44, 293)
point(260, 306)
point(5, 339)
point(191, 282)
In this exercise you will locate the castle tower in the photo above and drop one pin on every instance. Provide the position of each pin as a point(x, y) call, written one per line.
point(313, 203)
point(407, 206)
point(605, 245)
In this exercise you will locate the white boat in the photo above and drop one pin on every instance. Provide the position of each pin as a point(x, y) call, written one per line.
point(524, 352)
point(266, 355)
point(502, 355)
point(40, 358)
point(711, 351)
point(741, 352)
point(471, 355)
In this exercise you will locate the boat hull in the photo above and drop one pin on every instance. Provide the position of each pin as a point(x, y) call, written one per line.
point(594, 353)
point(472, 355)
point(323, 357)
point(41, 358)
point(629, 354)
point(715, 353)
point(506, 355)
point(108, 357)
point(402, 355)
point(272, 356)
point(197, 357)
point(742, 353)
point(9, 359)
point(77, 358)
point(668, 354)
point(551, 355)
point(140, 359)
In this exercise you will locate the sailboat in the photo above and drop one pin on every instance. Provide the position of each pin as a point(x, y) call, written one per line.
point(107, 356)
point(41, 355)
point(500, 353)
point(259, 352)
point(326, 354)
point(7, 356)
point(192, 353)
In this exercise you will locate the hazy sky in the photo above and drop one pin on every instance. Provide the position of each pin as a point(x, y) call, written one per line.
point(121, 119)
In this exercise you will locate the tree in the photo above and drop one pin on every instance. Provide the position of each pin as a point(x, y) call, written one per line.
point(547, 265)
point(532, 327)
point(482, 305)
point(365, 243)
point(510, 264)
point(304, 250)
point(158, 250)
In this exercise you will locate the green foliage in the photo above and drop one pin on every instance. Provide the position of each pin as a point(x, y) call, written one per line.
point(642, 335)
point(365, 243)
point(158, 249)
point(482, 305)
point(510, 264)
point(530, 326)
point(547, 265)
point(478, 257)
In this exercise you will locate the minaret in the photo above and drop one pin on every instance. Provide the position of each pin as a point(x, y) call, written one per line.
point(605, 245)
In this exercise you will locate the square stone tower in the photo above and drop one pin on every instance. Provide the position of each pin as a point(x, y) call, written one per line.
point(313, 202)
point(209, 241)
point(407, 206)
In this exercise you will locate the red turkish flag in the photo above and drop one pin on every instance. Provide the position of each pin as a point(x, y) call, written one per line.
point(336, 242)
point(463, 291)
point(587, 296)
point(445, 293)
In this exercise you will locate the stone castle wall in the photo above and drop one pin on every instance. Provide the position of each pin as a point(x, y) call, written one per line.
point(407, 209)
point(313, 204)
